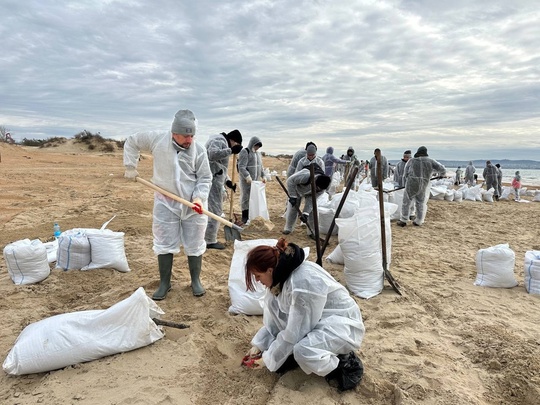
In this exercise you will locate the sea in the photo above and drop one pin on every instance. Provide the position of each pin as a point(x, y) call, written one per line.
point(529, 177)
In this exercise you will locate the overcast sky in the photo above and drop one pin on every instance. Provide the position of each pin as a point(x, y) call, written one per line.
point(461, 77)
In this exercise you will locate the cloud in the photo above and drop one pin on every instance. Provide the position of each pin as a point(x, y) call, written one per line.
point(460, 78)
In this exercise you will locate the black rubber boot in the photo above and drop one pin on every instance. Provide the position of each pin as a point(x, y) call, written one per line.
point(195, 264)
point(245, 216)
point(165, 263)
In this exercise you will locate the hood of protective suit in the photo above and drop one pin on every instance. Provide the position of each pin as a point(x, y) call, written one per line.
point(329, 150)
point(253, 141)
point(350, 149)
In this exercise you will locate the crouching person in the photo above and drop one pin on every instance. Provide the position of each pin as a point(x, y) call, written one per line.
point(310, 320)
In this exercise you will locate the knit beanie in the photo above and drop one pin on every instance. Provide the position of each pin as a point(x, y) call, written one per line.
point(184, 123)
point(311, 150)
point(407, 153)
point(422, 151)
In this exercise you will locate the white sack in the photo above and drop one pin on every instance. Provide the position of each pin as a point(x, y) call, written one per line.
point(360, 242)
point(52, 249)
point(336, 256)
point(537, 196)
point(326, 216)
point(449, 195)
point(73, 250)
point(532, 271)
point(458, 196)
point(106, 250)
point(242, 300)
point(495, 267)
point(257, 201)
point(506, 191)
point(397, 198)
point(437, 192)
point(27, 261)
point(67, 339)
point(488, 195)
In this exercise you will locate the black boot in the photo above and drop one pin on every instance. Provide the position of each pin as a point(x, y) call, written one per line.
point(165, 263)
point(245, 216)
point(348, 373)
point(195, 264)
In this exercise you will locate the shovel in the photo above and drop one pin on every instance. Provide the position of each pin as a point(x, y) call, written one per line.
point(387, 273)
point(233, 229)
point(229, 235)
point(297, 208)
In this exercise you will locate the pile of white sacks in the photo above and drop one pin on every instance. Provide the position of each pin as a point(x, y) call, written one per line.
point(76, 249)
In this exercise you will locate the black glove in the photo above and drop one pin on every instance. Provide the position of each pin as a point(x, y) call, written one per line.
point(304, 217)
point(293, 201)
point(219, 173)
point(236, 149)
point(232, 186)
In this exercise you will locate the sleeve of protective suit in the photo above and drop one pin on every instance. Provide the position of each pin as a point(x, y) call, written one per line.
point(243, 157)
point(384, 167)
point(218, 150)
point(439, 168)
point(294, 162)
point(140, 141)
point(295, 180)
point(305, 311)
point(204, 175)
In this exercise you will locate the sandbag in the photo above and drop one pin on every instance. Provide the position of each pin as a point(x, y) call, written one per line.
point(458, 196)
point(437, 192)
point(449, 195)
point(536, 196)
point(257, 201)
point(531, 269)
point(242, 300)
point(336, 256)
point(27, 261)
point(488, 195)
point(326, 216)
point(495, 267)
point(52, 250)
point(106, 250)
point(73, 251)
point(67, 339)
point(506, 191)
point(360, 240)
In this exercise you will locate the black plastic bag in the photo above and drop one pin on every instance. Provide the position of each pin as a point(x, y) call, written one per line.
point(348, 373)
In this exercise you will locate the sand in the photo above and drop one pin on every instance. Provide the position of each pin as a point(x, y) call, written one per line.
point(445, 341)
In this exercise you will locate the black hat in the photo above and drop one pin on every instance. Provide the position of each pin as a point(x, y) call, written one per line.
point(422, 151)
point(323, 181)
point(234, 135)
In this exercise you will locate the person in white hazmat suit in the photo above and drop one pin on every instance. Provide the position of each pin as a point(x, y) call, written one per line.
point(399, 180)
point(299, 187)
point(311, 157)
point(309, 319)
point(181, 167)
point(469, 174)
point(219, 148)
point(418, 172)
point(373, 168)
point(250, 169)
point(299, 154)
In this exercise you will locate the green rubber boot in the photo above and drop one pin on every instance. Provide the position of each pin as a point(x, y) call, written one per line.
point(195, 264)
point(165, 263)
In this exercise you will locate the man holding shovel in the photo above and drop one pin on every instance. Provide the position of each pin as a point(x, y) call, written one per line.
point(219, 148)
point(181, 167)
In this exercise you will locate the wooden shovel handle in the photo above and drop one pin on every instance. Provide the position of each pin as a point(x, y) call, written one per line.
point(231, 212)
point(187, 203)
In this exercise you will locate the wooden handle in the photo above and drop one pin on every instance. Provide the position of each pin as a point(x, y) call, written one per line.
point(187, 203)
point(231, 212)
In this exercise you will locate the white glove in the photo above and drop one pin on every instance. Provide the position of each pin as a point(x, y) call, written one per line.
point(131, 173)
point(248, 179)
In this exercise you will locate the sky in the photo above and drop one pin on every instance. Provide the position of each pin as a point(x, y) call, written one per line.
point(461, 78)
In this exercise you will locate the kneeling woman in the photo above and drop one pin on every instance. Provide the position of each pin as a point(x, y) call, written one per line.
point(307, 314)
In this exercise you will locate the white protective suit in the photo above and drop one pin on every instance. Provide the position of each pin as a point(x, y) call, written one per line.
point(294, 162)
point(185, 173)
point(399, 180)
point(249, 164)
point(304, 162)
point(299, 187)
point(313, 318)
point(469, 174)
point(218, 156)
point(418, 172)
point(373, 169)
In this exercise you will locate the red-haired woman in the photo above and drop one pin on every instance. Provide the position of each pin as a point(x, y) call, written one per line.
point(307, 315)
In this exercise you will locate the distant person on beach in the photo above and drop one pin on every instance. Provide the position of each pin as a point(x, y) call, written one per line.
point(330, 161)
point(220, 147)
point(373, 168)
point(458, 175)
point(516, 185)
point(399, 181)
point(491, 176)
point(499, 179)
point(309, 319)
point(418, 172)
point(181, 167)
point(250, 169)
point(469, 174)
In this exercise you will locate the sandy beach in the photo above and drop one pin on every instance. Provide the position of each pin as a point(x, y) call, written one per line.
point(445, 341)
